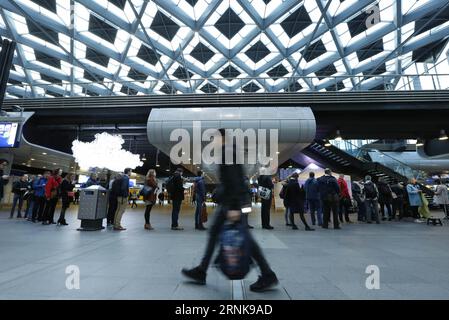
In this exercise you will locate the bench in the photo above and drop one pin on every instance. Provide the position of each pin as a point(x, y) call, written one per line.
point(434, 221)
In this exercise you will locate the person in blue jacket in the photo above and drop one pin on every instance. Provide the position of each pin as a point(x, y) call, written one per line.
point(200, 197)
point(39, 197)
point(313, 198)
point(414, 197)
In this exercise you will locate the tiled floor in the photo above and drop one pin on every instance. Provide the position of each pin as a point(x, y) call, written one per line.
point(136, 264)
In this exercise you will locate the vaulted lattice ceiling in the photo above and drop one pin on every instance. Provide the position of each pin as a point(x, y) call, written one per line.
point(135, 47)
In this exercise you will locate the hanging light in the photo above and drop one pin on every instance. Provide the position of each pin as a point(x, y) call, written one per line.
point(443, 135)
point(338, 137)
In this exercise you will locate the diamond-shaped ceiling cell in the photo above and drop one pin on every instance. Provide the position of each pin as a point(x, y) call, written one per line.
point(102, 29)
point(42, 32)
point(15, 82)
point(192, 2)
point(136, 75)
point(87, 75)
point(293, 87)
point(164, 26)
point(230, 73)
point(370, 50)
point(277, 72)
point(202, 53)
point(128, 91)
point(90, 93)
point(182, 74)
point(251, 87)
point(208, 88)
point(336, 87)
point(97, 57)
point(148, 55)
point(257, 52)
point(357, 25)
point(296, 22)
point(167, 89)
point(47, 4)
point(51, 79)
point(326, 71)
point(314, 51)
point(229, 24)
point(118, 3)
point(44, 58)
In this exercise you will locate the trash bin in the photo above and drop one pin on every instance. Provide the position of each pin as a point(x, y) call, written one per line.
point(93, 208)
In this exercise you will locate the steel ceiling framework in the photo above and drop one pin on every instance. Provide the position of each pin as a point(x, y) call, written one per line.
point(275, 35)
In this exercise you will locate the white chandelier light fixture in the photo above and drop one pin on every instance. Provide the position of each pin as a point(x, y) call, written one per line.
point(105, 151)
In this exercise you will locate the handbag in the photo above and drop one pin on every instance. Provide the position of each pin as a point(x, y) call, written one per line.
point(264, 193)
point(146, 190)
point(394, 195)
point(203, 213)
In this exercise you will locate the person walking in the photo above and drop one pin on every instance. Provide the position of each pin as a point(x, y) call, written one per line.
point(122, 187)
point(282, 196)
point(441, 197)
point(177, 196)
point(29, 198)
point(200, 198)
point(345, 199)
point(329, 191)
point(313, 199)
point(67, 186)
point(398, 200)
point(357, 194)
point(4, 179)
point(112, 199)
point(19, 188)
point(52, 193)
point(150, 196)
point(371, 200)
point(232, 196)
point(295, 196)
point(265, 181)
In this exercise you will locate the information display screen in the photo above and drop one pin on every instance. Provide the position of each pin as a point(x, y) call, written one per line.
point(8, 134)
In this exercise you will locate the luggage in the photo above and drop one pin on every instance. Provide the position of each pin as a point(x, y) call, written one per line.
point(235, 251)
point(203, 213)
point(264, 193)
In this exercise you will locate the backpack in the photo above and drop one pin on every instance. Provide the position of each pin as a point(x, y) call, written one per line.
point(282, 192)
point(370, 191)
point(235, 251)
point(116, 188)
point(170, 185)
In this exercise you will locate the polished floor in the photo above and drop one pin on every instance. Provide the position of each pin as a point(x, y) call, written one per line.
point(413, 260)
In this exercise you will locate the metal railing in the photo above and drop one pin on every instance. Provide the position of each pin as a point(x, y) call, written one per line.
point(198, 85)
point(384, 159)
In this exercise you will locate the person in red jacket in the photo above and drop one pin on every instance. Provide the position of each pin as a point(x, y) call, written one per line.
point(345, 199)
point(52, 196)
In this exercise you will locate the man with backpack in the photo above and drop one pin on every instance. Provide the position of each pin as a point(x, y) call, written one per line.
point(371, 200)
point(175, 187)
point(120, 187)
point(330, 196)
point(232, 198)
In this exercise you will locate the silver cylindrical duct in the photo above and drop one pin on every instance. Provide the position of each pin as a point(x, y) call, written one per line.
point(295, 126)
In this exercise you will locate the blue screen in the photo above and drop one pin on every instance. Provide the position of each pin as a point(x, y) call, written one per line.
point(8, 134)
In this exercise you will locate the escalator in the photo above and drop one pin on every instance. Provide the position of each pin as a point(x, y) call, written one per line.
point(356, 163)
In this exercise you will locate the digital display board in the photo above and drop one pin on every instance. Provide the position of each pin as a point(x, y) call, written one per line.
point(8, 134)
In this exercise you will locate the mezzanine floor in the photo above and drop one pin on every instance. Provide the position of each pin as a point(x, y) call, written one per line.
point(136, 264)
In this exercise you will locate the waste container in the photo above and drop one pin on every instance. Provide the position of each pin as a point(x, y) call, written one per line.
point(93, 208)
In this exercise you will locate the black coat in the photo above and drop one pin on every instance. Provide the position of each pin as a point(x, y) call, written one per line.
point(178, 188)
point(295, 196)
point(66, 187)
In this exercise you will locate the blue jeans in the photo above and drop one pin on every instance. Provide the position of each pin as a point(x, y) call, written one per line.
point(17, 198)
point(175, 212)
point(199, 205)
point(315, 206)
point(29, 209)
point(287, 215)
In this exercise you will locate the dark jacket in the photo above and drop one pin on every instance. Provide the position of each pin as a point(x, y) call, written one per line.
point(399, 191)
point(200, 189)
point(178, 187)
point(329, 189)
point(295, 196)
point(20, 187)
point(384, 192)
point(92, 182)
point(312, 189)
point(232, 191)
point(124, 188)
point(66, 187)
point(3, 182)
point(265, 181)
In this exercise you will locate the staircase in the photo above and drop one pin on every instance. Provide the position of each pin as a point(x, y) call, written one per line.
point(357, 166)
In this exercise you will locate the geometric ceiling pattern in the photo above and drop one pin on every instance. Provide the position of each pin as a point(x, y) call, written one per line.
point(137, 47)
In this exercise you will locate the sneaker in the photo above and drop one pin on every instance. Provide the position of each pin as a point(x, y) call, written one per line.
point(119, 228)
point(264, 283)
point(309, 229)
point(177, 228)
point(250, 227)
point(195, 274)
point(419, 221)
point(294, 227)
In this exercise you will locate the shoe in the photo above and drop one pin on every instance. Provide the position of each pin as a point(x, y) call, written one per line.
point(268, 227)
point(288, 224)
point(250, 227)
point(369, 222)
point(148, 227)
point(337, 228)
point(177, 228)
point(349, 221)
point(45, 223)
point(264, 283)
point(309, 229)
point(19, 216)
point(64, 223)
point(294, 227)
point(195, 274)
point(201, 227)
point(383, 218)
point(325, 227)
point(119, 228)
point(52, 222)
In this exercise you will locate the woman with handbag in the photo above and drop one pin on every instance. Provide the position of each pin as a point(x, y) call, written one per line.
point(149, 196)
point(52, 191)
point(66, 187)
